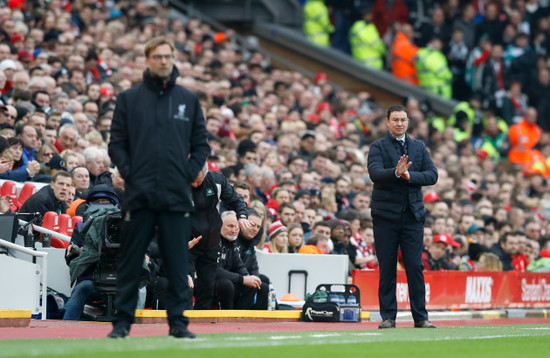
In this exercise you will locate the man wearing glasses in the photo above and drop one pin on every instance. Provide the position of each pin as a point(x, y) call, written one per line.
point(159, 145)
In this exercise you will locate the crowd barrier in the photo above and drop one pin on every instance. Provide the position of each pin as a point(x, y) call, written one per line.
point(21, 281)
point(447, 290)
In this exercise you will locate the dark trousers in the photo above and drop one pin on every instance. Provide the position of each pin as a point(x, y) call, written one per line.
point(173, 237)
point(407, 234)
point(156, 293)
point(204, 262)
point(262, 294)
point(235, 296)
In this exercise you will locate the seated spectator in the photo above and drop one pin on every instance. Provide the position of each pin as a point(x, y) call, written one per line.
point(505, 248)
point(81, 179)
point(278, 239)
point(249, 237)
point(96, 166)
point(295, 237)
point(19, 172)
point(286, 213)
point(233, 281)
point(262, 210)
point(71, 159)
point(54, 165)
point(51, 197)
point(488, 262)
point(316, 244)
point(438, 258)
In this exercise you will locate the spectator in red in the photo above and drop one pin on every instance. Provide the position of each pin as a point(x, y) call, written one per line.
point(388, 12)
point(438, 258)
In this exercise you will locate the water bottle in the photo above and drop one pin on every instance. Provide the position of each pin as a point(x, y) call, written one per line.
point(271, 299)
point(352, 300)
point(337, 298)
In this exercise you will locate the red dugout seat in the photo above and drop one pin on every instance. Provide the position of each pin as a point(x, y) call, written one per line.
point(26, 192)
point(9, 188)
point(51, 221)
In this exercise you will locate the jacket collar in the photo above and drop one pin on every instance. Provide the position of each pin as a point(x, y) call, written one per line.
point(156, 84)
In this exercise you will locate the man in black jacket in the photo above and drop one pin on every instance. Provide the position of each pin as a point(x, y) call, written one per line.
point(159, 145)
point(209, 188)
point(247, 240)
point(232, 278)
point(505, 248)
point(51, 197)
point(398, 213)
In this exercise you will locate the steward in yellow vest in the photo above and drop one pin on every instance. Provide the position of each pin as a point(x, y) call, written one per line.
point(317, 26)
point(366, 44)
point(432, 69)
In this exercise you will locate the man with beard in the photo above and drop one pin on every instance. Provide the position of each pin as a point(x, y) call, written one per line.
point(235, 286)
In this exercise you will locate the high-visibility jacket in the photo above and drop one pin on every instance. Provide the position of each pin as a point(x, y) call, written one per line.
point(317, 26)
point(433, 72)
point(437, 123)
point(366, 44)
point(403, 54)
point(465, 107)
point(523, 137)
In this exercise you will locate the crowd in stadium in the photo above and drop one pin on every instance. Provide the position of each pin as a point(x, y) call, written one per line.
point(293, 147)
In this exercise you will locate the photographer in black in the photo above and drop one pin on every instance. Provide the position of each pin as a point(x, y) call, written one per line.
point(209, 188)
point(84, 290)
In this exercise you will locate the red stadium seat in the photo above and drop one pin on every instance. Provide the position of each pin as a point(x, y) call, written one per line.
point(51, 222)
point(9, 188)
point(65, 225)
point(26, 192)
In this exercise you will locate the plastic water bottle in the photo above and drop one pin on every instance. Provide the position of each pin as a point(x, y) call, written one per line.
point(337, 298)
point(352, 300)
point(271, 298)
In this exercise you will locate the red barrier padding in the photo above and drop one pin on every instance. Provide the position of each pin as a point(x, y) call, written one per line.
point(463, 289)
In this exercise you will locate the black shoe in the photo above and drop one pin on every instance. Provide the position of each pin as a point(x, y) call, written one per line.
point(119, 332)
point(424, 324)
point(387, 323)
point(182, 333)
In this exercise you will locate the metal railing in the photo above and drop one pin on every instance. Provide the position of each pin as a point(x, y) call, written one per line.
point(40, 229)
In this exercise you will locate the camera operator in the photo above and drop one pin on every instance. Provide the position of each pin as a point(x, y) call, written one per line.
point(84, 290)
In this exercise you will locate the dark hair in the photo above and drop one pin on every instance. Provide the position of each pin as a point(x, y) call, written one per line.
point(396, 108)
point(253, 212)
point(61, 173)
point(241, 185)
point(35, 94)
point(320, 223)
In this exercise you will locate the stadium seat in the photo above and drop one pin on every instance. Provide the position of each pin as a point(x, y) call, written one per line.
point(26, 192)
point(51, 222)
point(66, 225)
point(9, 188)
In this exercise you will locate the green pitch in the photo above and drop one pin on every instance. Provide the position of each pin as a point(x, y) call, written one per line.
point(470, 341)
